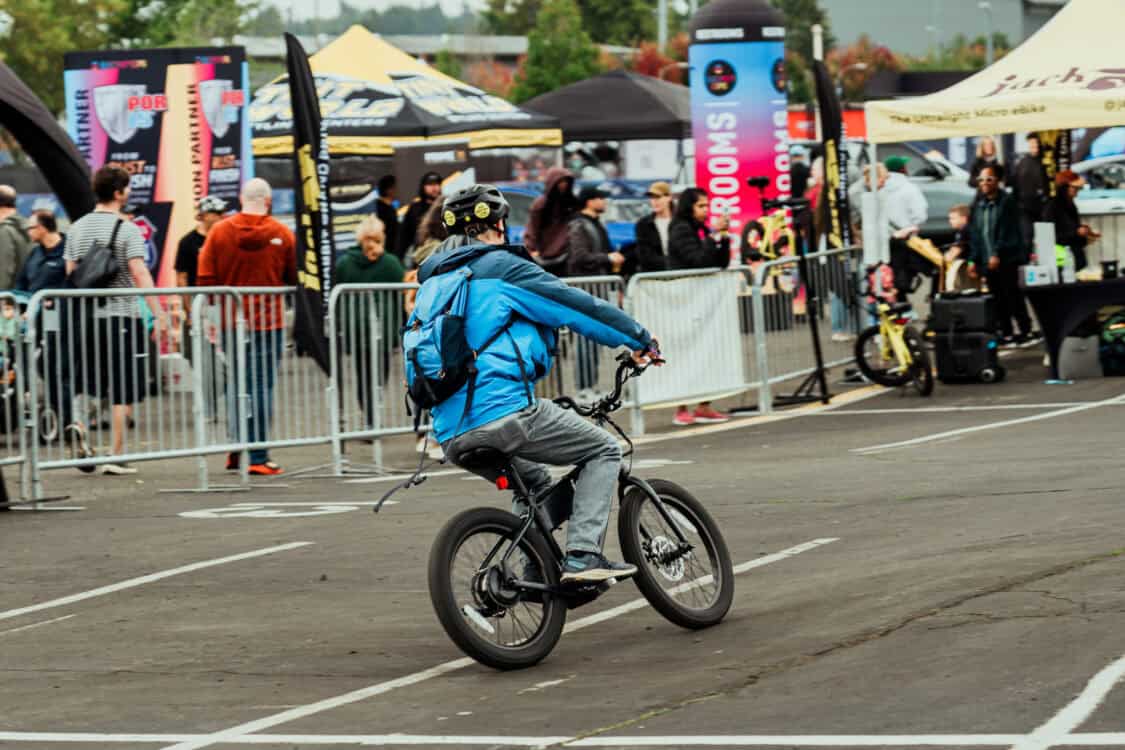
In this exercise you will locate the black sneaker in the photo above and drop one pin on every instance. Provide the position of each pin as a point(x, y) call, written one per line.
point(591, 567)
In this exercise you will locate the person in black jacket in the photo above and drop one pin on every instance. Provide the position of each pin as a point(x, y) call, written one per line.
point(429, 189)
point(690, 243)
point(1029, 185)
point(1063, 213)
point(995, 244)
point(652, 230)
point(385, 210)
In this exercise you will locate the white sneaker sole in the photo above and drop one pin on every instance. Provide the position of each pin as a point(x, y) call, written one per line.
point(711, 420)
point(597, 575)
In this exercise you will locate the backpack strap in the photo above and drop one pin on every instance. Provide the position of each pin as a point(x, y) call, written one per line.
point(473, 373)
point(523, 371)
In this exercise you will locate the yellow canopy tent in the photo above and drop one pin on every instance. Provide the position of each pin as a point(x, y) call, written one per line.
point(1069, 74)
point(373, 96)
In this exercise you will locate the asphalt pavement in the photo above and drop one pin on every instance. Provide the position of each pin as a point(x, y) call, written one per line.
point(941, 572)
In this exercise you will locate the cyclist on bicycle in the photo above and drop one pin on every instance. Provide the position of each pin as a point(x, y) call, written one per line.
point(514, 307)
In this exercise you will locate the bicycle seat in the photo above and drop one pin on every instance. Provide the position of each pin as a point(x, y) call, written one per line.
point(483, 458)
point(900, 307)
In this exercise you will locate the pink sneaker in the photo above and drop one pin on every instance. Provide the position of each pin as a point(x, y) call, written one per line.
point(707, 415)
point(683, 418)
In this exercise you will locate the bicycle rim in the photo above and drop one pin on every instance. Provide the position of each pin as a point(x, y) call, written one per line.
point(477, 556)
point(694, 580)
point(884, 370)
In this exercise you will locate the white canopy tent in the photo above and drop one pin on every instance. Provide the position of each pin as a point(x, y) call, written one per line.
point(1069, 74)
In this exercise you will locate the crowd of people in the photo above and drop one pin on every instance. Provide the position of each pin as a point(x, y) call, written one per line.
point(993, 235)
point(565, 234)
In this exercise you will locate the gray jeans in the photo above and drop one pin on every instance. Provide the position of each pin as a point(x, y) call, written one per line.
point(546, 433)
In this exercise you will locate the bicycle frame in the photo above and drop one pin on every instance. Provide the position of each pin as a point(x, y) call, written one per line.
point(891, 330)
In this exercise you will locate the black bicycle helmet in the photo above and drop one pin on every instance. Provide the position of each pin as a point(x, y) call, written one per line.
point(474, 209)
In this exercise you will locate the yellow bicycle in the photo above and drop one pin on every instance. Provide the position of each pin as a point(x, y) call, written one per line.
point(892, 353)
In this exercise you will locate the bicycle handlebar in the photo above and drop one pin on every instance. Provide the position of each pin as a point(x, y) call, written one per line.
point(611, 402)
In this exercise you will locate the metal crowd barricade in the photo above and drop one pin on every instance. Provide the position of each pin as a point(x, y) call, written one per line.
point(780, 316)
point(14, 379)
point(94, 349)
point(367, 395)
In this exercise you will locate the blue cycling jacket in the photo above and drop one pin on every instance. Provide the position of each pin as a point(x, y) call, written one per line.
point(507, 287)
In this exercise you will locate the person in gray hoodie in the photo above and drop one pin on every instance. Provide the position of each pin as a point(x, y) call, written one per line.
point(15, 244)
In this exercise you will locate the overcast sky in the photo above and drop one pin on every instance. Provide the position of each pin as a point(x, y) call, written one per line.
point(330, 8)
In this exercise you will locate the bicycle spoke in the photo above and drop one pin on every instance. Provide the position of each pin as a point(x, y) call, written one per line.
point(685, 572)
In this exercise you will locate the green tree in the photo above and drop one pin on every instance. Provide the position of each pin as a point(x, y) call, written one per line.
point(800, 16)
point(171, 23)
point(42, 31)
point(623, 22)
point(448, 63)
point(962, 53)
point(559, 51)
point(266, 22)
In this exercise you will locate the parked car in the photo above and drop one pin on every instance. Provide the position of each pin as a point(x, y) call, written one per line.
point(1105, 185)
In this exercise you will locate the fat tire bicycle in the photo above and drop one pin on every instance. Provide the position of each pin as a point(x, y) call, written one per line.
point(892, 353)
point(495, 612)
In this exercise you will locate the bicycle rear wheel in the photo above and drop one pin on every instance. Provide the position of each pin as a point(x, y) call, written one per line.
point(869, 358)
point(470, 589)
point(683, 566)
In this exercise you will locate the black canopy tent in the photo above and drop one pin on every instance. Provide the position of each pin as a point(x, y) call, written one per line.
point(24, 116)
point(619, 105)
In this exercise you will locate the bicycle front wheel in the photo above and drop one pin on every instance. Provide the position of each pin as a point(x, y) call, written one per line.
point(683, 566)
point(869, 357)
point(921, 371)
point(474, 598)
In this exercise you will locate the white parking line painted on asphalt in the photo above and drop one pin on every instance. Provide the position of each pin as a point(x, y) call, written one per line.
point(871, 449)
point(36, 625)
point(952, 409)
point(142, 580)
point(252, 727)
point(1057, 730)
point(1091, 739)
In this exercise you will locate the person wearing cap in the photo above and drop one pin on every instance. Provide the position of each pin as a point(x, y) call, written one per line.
point(1062, 211)
point(208, 213)
point(905, 210)
point(652, 230)
point(590, 255)
point(429, 188)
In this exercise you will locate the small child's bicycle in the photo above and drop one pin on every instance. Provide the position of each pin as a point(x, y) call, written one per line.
point(892, 353)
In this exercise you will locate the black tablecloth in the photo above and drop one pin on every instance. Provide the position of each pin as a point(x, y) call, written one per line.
point(1061, 308)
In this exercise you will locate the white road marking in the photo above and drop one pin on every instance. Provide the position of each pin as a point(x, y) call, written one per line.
point(544, 685)
point(235, 733)
point(1057, 730)
point(951, 409)
point(402, 477)
point(140, 581)
point(871, 449)
point(279, 510)
point(1091, 739)
point(36, 625)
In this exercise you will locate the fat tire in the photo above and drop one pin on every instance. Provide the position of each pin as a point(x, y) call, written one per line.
point(922, 371)
point(444, 598)
point(882, 378)
point(627, 527)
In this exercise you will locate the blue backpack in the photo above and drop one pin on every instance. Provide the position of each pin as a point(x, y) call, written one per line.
point(436, 353)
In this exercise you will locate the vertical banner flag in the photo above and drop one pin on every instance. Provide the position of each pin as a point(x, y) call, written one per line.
point(835, 196)
point(175, 119)
point(316, 248)
point(738, 107)
point(1055, 153)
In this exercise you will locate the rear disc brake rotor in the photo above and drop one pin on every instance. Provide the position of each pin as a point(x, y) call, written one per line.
point(662, 551)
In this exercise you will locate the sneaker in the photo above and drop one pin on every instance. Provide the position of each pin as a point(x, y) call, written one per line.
point(591, 567)
point(420, 446)
point(683, 418)
point(842, 338)
point(118, 469)
point(232, 462)
point(268, 469)
point(707, 415)
point(79, 445)
point(436, 453)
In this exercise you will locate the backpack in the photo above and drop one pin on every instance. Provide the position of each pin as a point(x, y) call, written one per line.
point(1111, 345)
point(436, 353)
point(98, 268)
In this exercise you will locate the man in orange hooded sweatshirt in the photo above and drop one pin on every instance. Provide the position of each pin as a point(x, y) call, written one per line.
point(251, 249)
